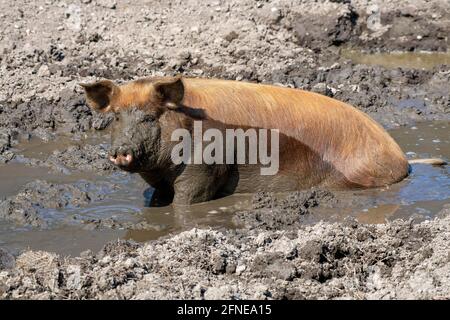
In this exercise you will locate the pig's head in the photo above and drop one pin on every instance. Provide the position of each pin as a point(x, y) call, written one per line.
point(136, 140)
point(145, 112)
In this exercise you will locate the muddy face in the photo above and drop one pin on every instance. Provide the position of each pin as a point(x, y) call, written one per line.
point(136, 136)
point(135, 140)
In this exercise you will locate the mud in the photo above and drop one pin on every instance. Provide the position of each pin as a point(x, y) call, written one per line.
point(269, 212)
point(26, 207)
point(324, 261)
point(60, 196)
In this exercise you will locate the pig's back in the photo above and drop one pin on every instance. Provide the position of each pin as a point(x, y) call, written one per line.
point(345, 137)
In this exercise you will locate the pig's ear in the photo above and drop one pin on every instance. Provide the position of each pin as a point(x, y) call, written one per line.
point(170, 91)
point(99, 95)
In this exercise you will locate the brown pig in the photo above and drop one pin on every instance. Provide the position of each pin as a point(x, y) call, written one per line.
point(323, 142)
point(142, 143)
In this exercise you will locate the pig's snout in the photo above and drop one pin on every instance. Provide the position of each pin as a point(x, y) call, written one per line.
point(121, 157)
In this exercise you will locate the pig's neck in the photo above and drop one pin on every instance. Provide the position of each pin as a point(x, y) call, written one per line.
point(163, 172)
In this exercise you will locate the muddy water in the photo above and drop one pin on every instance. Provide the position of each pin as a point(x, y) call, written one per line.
point(215, 214)
point(414, 60)
point(422, 195)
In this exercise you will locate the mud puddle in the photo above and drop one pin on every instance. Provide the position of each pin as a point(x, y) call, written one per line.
point(62, 240)
point(116, 208)
point(215, 214)
point(69, 229)
point(116, 205)
point(412, 60)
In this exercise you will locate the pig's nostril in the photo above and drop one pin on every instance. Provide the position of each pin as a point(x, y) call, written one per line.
point(121, 159)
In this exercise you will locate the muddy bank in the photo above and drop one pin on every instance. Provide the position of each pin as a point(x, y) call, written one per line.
point(273, 255)
point(46, 205)
point(279, 249)
point(379, 26)
point(324, 261)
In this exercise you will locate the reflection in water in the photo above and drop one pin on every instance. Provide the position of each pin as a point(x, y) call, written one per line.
point(215, 214)
point(421, 195)
point(427, 189)
point(378, 214)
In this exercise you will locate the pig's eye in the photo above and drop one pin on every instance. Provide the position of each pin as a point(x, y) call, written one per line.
point(148, 117)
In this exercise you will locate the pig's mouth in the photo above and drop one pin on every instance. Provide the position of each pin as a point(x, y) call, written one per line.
point(124, 161)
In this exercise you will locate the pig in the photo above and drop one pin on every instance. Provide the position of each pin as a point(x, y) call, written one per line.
point(323, 142)
point(142, 143)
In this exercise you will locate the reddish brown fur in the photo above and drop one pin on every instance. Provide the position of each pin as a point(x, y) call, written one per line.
point(332, 143)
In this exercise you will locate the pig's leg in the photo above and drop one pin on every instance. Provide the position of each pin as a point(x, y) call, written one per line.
point(199, 183)
point(163, 192)
point(160, 197)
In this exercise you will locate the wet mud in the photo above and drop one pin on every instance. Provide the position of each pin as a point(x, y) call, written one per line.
point(399, 260)
point(73, 226)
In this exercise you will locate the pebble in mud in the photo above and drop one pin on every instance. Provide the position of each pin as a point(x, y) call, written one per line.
point(6, 142)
